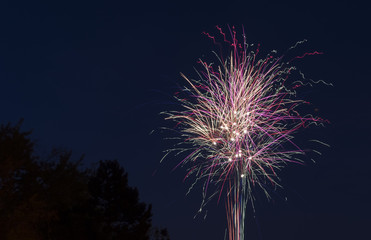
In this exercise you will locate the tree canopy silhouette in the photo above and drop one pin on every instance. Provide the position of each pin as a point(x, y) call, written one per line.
point(52, 198)
point(122, 215)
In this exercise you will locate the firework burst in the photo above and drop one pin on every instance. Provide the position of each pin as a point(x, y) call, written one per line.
point(237, 125)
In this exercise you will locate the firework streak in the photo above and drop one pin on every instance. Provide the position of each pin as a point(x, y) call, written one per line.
point(237, 125)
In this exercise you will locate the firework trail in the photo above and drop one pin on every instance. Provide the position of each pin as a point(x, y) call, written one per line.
point(237, 125)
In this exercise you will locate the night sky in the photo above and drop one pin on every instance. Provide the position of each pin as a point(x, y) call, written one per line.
point(93, 76)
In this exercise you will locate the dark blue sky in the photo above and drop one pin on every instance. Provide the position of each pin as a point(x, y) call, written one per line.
point(92, 76)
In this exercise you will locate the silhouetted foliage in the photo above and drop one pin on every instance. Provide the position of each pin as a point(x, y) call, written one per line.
point(64, 187)
point(17, 178)
point(123, 216)
point(52, 199)
point(160, 234)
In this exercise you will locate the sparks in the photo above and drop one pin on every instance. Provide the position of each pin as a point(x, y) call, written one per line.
point(236, 119)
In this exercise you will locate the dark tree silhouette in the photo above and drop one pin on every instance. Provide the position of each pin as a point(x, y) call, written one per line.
point(17, 185)
point(53, 199)
point(39, 199)
point(123, 216)
point(160, 234)
point(64, 188)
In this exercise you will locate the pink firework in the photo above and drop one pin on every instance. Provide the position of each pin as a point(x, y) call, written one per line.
point(238, 123)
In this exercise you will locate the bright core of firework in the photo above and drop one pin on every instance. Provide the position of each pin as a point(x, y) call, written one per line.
point(237, 118)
